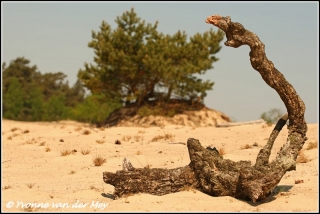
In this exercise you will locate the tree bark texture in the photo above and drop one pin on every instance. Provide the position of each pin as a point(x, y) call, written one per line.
point(208, 171)
point(154, 181)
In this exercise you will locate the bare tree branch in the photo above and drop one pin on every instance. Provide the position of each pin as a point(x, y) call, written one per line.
point(208, 171)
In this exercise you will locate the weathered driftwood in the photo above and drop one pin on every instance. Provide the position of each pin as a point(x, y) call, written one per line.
point(154, 181)
point(261, 121)
point(208, 171)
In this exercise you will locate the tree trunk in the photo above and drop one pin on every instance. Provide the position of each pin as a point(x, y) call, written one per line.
point(153, 181)
point(208, 171)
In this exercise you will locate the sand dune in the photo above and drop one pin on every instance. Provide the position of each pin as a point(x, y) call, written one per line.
point(34, 171)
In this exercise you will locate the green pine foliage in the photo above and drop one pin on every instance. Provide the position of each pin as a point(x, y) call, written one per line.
point(135, 63)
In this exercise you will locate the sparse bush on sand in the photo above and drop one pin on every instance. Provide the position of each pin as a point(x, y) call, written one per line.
point(98, 160)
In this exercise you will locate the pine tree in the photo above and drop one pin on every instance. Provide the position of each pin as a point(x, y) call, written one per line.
point(134, 63)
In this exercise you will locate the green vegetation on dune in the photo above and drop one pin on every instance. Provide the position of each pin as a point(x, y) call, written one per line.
point(134, 65)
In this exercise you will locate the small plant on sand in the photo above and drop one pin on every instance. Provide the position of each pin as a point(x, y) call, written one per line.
point(86, 132)
point(100, 141)
point(302, 158)
point(42, 143)
point(168, 136)
point(30, 208)
point(160, 137)
point(98, 160)
point(32, 141)
point(148, 166)
point(247, 146)
point(7, 187)
point(72, 172)
point(78, 129)
point(26, 131)
point(9, 138)
point(14, 129)
point(312, 145)
point(126, 138)
point(137, 138)
point(156, 138)
point(47, 149)
point(15, 135)
point(138, 152)
point(30, 185)
point(66, 152)
point(85, 151)
point(95, 188)
point(141, 131)
point(222, 151)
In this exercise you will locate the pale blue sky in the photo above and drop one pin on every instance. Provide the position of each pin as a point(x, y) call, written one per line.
point(54, 36)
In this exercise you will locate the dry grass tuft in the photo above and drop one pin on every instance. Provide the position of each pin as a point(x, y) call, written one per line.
point(86, 132)
point(95, 188)
point(137, 138)
point(138, 152)
point(148, 166)
point(302, 158)
point(26, 131)
point(222, 151)
point(100, 141)
point(247, 146)
point(42, 143)
point(312, 145)
point(141, 131)
point(7, 187)
point(72, 172)
point(78, 129)
point(14, 129)
point(99, 160)
point(66, 152)
point(168, 136)
point(85, 151)
point(30, 208)
point(32, 141)
point(126, 138)
point(30, 185)
point(15, 135)
point(163, 137)
point(47, 149)
point(156, 138)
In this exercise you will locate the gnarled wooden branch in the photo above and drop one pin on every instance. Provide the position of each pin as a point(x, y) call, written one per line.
point(208, 171)
point(153, 181)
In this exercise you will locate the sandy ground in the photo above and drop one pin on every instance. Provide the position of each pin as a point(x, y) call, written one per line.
point(32, 174)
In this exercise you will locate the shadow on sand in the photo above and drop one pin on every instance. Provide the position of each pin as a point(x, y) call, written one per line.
point(273, 195)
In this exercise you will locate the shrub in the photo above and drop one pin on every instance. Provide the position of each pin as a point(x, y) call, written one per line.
point(99, 160)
